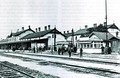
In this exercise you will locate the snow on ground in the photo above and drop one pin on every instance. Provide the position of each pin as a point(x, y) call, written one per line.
point(57, 71)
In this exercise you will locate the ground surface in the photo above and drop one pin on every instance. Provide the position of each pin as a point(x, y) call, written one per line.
point(64, 71)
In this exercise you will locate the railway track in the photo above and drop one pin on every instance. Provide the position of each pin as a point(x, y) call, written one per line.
point(77, 59)
point(10, 70)
point(74, 68)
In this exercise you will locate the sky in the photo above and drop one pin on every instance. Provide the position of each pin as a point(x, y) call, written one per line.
point(62, 14)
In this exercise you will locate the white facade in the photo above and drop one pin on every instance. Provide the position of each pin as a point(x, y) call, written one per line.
point(90, 45)
point(17, 38)
point(50, 37)
point(114, 32)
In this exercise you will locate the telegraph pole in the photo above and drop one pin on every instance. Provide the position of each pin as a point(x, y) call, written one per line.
point(72, 36)
point(106, 11)
point(55, 38)
point(106, 17)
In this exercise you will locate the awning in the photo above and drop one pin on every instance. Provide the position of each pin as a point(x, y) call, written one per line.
point(24, 41)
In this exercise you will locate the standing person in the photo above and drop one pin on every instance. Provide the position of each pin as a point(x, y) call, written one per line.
point(29, 49)
point(109, 50)
point(69, 51)
point(34, 49)
point(40, 49)
point(102, 49)
point(52, 50)
point(75, 49)
point(59, 50)
point(106, 50)
point(63, 49)
point(81, 52)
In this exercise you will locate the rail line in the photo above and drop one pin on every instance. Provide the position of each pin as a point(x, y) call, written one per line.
point(23, 73)
point(76, 68)
point(77, 59)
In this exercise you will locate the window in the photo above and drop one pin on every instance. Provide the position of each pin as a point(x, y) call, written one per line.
point(88, 46)
point(95, 45)
point(76, 37)
point(84, 45)
point(91, 45)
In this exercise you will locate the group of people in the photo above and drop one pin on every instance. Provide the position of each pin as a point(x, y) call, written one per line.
point(69, 49)
point(106, 50)
point(38, 49)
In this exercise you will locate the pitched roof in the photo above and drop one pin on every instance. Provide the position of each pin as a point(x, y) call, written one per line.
point(86, 31)
point(81, 31)
point(41, 34)
point(102, 35)
point(20, 32)
point(113, 26)
point(115, 38)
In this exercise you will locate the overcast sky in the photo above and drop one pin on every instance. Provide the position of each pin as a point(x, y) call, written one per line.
point(65, 14)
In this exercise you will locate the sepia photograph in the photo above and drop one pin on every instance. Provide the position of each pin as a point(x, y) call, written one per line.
point(59, 38)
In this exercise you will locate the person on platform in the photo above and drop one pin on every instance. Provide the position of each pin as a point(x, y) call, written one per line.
point(81, 52)
point(109, 50)
point(34, 49)
point(69, 51)
point(62, 49)
point(59, 50)
point(102, 49)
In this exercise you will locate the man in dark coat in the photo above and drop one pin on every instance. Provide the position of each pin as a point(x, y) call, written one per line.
point(34, 49)
point(81, 52)
point(69, 51)
point(75, 49)
point(59, 50)
point(109, 50)
point(63, 49)
point(102, 49)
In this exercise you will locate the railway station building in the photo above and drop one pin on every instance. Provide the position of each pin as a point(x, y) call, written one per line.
point(92, 41)
point(29, 39)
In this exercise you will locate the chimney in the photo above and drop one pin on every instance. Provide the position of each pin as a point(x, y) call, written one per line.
point(29, 27)
point(45, 28)
point(67, 31)
point(104, 23)
point(39, 29)
point(17, 30)
point(64, 32)
point(95, 25)
point(36, 29)
point(48, 27)
point(86, 26)
point(22, 28)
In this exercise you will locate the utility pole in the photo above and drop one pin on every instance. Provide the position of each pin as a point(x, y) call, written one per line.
point(106, 17)
point(106, 11)
point(55, 38)
point(72, 36)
